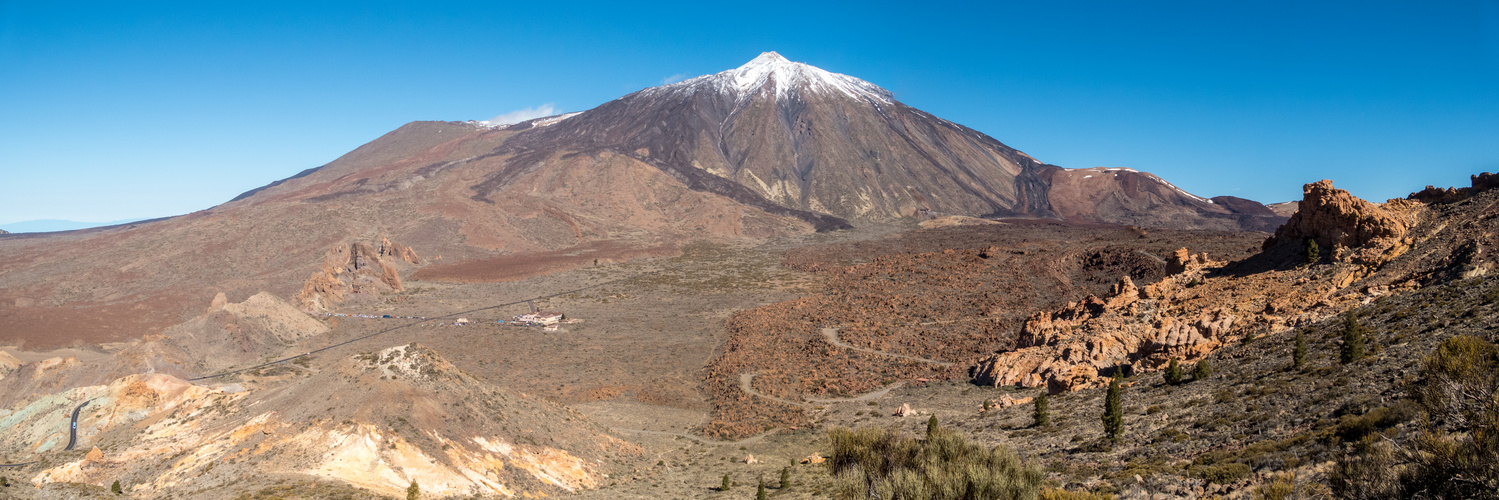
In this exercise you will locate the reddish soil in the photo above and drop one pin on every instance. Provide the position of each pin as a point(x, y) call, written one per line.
point(519, 267)
point(952, 294)
point(37, 327)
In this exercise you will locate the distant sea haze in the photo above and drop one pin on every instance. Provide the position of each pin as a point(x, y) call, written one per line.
point(46, 225)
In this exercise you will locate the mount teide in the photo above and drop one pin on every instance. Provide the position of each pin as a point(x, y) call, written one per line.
point(770, 149)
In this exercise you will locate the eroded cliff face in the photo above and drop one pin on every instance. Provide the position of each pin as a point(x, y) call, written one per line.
point(355, 269)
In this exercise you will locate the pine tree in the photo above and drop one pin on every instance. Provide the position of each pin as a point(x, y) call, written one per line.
point(1353, 339)
point(760, 493)
point(1202, 371)
point(115, 488)
point(1113, 411)
point(1312, 252)
point(931, 426)
point(1042, 415)
point(413, 492)
point(785, 477)
point(1174, 373)
point(1298, 354)
point(726, 483)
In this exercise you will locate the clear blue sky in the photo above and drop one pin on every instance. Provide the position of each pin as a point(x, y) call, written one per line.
point(116, 110)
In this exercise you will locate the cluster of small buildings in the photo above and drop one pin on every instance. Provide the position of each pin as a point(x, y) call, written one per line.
point(540, 318)
point(549, 320)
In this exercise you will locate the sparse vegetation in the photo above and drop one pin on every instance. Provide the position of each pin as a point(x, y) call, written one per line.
point(727, 483)
point(875, 463)
point(1454, 453)
point(413, 492)
point(785, 478)
point(1310, 250)
point(1060, 494)
point(1173, 373)
point(760, 491)
point(115, 488)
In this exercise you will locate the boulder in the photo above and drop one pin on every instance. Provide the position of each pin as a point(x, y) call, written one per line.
point(904, 410)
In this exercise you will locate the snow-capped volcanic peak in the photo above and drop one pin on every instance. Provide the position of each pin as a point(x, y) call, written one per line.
point(772, 72)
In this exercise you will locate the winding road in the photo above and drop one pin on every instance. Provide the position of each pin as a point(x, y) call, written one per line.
point(745, 380)
point(831, 335)
point(752, 439)
point(868, 396)
point(73, 428)
point(72, 435)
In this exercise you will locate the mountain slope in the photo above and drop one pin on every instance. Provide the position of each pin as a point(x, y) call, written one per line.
point(804, 139)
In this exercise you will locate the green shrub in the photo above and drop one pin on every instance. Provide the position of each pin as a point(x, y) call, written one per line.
point(874, 463)
point(1310, 250)
point(1221, 474)
point(1454, 453)
point(931, 426)
point(1173, 373)
point(413, 492)
point(1202, 371)
point(726, 483)
point(760, 492)
point(115, 488)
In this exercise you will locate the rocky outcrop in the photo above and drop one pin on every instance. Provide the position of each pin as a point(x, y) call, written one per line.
point(1183, 261)
point(1480, 183)
point(8, 364)
point(355, 269)
point(1335, 218)
point(398, 251)
point(1132, 328)
point(233, 333)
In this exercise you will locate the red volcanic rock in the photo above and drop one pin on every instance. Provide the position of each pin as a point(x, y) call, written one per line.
point(1333, 218)
point(1078, 345)
point(354, 269)
point(1480, 183)
point(398, 251)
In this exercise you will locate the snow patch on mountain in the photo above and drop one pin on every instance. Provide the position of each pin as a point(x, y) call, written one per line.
point(772, 72)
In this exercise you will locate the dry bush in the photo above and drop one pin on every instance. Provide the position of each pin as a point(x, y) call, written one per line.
point(1453, 454)
point(874, 463)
